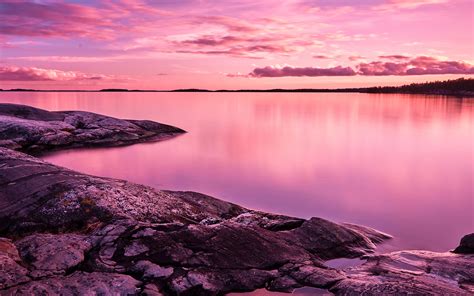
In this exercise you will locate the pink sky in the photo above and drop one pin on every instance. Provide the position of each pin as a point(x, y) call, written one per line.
point(233, 44)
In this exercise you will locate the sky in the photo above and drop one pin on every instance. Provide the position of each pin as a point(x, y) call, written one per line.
point(233, 44)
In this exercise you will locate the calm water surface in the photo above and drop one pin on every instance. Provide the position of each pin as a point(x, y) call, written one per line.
point(400, 163)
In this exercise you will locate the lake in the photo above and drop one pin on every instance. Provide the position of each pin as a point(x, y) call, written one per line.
point(402, 164)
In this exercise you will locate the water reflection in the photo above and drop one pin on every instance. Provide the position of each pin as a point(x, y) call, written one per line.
point(399, 163)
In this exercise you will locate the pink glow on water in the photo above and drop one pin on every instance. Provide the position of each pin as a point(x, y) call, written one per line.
point(399, 163)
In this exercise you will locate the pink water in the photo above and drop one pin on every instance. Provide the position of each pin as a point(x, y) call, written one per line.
point(400, 163)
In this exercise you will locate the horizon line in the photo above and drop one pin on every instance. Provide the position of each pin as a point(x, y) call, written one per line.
point(436, 86)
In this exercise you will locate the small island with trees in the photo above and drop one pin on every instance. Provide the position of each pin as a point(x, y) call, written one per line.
point(459, 87)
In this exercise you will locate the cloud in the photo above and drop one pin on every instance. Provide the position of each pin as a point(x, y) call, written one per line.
point(321, 57)
point(421, 65)
point(222, 35)
point(340, 36)
point(219, 35)
point(394, 57)
point(27, 18)
point(247, 51)
point(254, 46)
point(101, 20)
point(336, 8)
point(407, 4)
point(209, 40)
point(38, 74)
point(232, 24)
point(355, 58)
point(237, 75)
point(272, 71)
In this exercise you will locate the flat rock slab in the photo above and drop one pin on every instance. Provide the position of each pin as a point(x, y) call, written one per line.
point(410, 273)
point(30, 129)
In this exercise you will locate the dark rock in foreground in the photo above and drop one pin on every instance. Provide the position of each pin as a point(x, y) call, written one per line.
point(67, 224)
point(30, 129)
point(83, 234)
point(73, 234)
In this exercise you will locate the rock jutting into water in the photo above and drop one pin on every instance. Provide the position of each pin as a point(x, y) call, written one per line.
point(63, 232)
point(30, 129)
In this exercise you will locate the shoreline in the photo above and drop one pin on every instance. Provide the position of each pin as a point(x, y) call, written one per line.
point(461, 88)
point(140, 240)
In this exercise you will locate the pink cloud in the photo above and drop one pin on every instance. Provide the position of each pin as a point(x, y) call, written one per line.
point(209, 40)
point(378, 68)
point(407, 4)
point(106, 20)
point(51, 19)
point(246, 51)
point(355, 58)
point(238, 37)
point(232, 24)
point(39, 74)
point(394, 57)
point(271, 71)
point(417, 66)
point(321, 57)
point(239, 46)
point(237, 75)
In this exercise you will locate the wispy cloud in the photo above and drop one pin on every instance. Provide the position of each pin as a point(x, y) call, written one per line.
point(406, 4)
point(12, 73)
point(355, 58)
point(24, 18)
point(105, 20)
point(322, 57)
point(396, 57)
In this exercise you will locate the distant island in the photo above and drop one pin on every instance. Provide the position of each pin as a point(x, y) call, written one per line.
point(462, 87)
point(458, 87)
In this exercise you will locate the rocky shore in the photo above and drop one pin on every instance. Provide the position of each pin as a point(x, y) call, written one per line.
point(63, 232)
point(31, 130)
